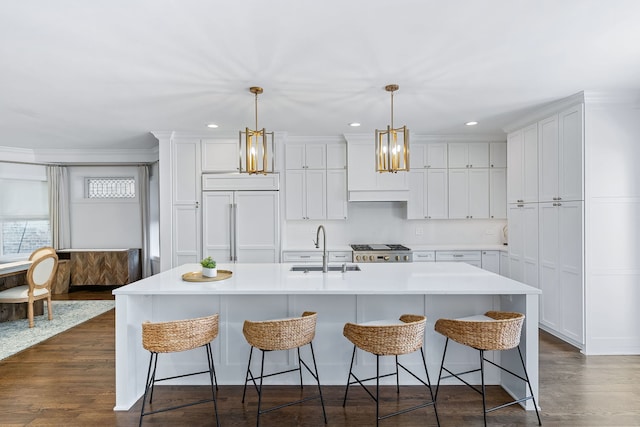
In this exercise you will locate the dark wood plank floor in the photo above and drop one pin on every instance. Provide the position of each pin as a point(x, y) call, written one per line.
point(69, 380)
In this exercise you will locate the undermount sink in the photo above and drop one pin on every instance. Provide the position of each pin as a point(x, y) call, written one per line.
point(310, 268)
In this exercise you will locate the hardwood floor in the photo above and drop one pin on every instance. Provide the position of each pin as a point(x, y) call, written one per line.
point(68, 380)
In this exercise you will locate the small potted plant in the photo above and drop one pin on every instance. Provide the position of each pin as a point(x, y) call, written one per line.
point(209, 267)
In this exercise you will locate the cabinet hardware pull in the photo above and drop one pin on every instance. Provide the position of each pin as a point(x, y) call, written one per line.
point(520, 206)
point(520, 201)
point(305, 256)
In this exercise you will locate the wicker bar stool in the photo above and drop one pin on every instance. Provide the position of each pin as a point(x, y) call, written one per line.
point(389, 338)
point(495, 331)
point(177, 336)
point(282, 334)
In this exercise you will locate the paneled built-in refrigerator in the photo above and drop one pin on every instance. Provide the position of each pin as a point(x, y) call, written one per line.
point(241, 225)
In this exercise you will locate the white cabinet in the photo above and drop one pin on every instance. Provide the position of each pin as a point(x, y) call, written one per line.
point(316, 181)
point(561, 156)
point(504, 264)
point(220, 155)
point(428, 155)
point(491, 261)
point(428, 193)
point(186, 197)
point(424, 256)
point(340, 256)
point(469, 257)
point(302, 257)
point(498, 155)
point(468, 155)
point(241, 226)
point(306, 194)
point(522, 165)
point(468, 193)
point(336, 156)
point(498, 193)
point(562, 300)
point(523, 243)
point(308, 257)
point(336, 194)
point(306, 156)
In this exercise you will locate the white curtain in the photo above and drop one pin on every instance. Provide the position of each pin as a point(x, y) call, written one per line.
point(58, 179)
point(143, 179)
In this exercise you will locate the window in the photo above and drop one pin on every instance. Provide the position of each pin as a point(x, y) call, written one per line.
point(24, 209)
point(111, 188)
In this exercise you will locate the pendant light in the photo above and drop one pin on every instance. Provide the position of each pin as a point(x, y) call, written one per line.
point(392, 145)
point(256, 146)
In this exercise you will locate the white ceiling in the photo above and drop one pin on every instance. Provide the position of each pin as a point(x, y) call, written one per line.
point(104, 73)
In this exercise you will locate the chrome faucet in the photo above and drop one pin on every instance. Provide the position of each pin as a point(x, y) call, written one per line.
point(325, 267)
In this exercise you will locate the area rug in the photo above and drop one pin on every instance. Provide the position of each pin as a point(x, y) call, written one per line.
point(15, 335)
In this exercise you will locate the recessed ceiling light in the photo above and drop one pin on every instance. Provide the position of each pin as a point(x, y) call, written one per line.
point(471, 123)
point(212, 125)
point(354, 124)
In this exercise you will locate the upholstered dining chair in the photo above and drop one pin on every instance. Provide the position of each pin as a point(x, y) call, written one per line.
point(40, 276)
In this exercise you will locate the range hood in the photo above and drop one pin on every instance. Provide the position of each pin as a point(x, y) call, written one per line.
point(364, 184)
point(378, 196)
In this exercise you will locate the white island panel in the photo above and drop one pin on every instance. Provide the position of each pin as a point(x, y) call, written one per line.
point(271, 291)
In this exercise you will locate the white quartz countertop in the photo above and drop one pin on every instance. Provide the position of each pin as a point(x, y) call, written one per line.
point(450, 247)
point(461, 247)
point(373, 279)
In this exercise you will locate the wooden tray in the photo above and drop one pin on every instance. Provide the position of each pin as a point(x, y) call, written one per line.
point(196, 276)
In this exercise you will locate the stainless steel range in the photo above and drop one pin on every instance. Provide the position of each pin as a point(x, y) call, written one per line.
point(381, 253)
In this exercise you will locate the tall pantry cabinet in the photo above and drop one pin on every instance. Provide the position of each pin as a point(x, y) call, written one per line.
point(545, 223)
point(588, 206)
point(186, 202)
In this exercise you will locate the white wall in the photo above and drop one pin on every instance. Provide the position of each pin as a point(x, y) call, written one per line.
point(103, 224)
point(612, 218)
point(385, 222)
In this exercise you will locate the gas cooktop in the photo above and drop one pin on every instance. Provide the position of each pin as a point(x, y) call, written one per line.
point(379, 247)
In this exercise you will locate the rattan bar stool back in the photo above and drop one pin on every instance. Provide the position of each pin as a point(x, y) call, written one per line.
point(276, 335)
point(495, 331)
point(389, 338)
point(177, 336)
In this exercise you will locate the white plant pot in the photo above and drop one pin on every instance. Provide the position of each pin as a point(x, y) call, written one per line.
point(209, 272)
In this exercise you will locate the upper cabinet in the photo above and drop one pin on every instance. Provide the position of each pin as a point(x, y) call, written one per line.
point(522, 165)
point(561, 155)
point(337, 156)
point(469, 193)
point(498, 155)
point(428, 155)
point(316, 181)
point(220, 155)
point(468, 155)
point(306, 156)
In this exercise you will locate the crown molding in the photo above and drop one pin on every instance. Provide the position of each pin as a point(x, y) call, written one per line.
point(97, 156)
point(20, 155)
point(366, 137)
point(618, 97)
point(293, 139)
point(545, 111)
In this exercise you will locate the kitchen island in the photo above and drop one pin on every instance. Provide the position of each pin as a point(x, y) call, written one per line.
point(271, 291)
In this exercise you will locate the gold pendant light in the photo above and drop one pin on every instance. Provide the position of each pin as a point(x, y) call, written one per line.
point(392, 145)
point(256, 146)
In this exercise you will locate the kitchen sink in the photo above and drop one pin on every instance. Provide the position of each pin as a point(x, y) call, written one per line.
point(310, 268)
